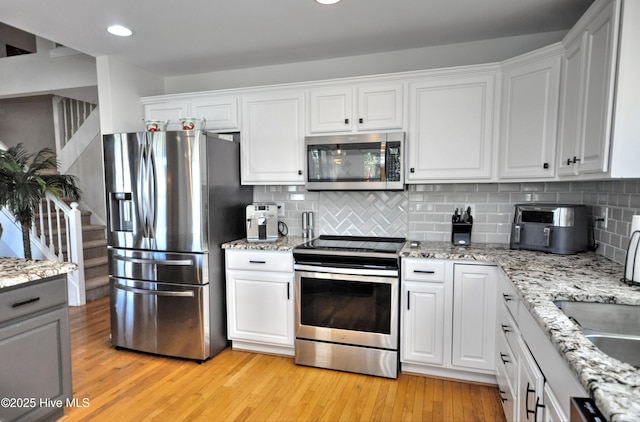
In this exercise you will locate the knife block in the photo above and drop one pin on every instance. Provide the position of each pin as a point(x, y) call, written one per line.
point(461, 233)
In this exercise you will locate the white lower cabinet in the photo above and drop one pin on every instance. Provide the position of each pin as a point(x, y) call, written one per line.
point(260, 300)
point(474, 315)
point(423, 330)
point(535, 383)
point(530, 386)
point(442, 319)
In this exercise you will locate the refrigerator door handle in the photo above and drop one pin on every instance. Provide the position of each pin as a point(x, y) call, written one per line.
point(178, 262)
point(153, 292)
point(152, 198)
point(140, 199)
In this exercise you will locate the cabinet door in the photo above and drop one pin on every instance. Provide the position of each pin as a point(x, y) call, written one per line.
point(272, 138)
point(36, 356)
point(530, 390)
point(219, 113)
point(529, 113)
point(451, 128)
point(600, 42)
point(552, 408)
point(380, 107)
point(587, 95)
point(171, 111)
point(330, 110)
point(571, 100)
point(474, 316)
point(260, 307)
point(423, 322)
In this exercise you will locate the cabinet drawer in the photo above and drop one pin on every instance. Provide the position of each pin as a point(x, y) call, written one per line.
point(423, 270)
point(33, 298)
point(506, 360)
point(507, 295)
point(259, 260)
point(507, 326)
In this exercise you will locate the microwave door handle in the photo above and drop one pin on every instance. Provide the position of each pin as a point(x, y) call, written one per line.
point(383, 161)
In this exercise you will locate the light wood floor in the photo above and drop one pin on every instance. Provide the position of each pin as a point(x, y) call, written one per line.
point(119, 385)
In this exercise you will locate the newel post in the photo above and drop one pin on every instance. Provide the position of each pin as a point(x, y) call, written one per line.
point(75, 279)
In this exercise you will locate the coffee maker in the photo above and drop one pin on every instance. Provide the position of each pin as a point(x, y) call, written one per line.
point(262, 222)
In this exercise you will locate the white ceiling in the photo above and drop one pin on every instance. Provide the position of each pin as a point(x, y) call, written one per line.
point(196, 36)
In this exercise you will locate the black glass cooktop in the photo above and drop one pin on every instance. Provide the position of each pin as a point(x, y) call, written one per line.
point(389, 245)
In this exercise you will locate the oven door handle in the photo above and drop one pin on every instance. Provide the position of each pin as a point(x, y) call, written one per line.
point(347, 271)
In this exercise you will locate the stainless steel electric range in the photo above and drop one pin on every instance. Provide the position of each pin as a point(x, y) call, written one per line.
point(347, 301)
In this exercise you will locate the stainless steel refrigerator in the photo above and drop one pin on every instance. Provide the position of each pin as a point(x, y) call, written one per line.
point(173, 198)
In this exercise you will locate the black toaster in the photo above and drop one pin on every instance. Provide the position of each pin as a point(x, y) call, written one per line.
point(555, 228)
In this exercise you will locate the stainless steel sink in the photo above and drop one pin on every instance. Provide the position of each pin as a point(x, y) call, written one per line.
point(612, 328)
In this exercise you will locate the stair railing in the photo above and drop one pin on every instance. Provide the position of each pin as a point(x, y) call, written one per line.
point(69, 115)
point(59, 225)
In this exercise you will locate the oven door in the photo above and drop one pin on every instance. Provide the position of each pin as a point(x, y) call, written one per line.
point(347, 308)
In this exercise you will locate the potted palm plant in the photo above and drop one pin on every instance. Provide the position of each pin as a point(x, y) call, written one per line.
point(25, 179)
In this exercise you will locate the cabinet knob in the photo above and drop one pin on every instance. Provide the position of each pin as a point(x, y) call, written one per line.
point(346, 121)
point(545, 166)
point(412, 170)
point(361, 120)
point(299, 172)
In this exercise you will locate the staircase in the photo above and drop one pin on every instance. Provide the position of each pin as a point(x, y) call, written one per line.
point(94, 249)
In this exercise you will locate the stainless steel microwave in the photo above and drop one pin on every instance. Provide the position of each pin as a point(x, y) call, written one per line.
point(370, 161)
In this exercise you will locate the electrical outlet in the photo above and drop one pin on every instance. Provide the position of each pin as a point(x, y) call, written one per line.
point(602, 218)
point(280, 209)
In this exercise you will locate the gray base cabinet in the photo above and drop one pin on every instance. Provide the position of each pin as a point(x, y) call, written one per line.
point(35, 351)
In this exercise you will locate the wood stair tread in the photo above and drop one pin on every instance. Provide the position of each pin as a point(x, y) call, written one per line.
point(94, 262)
point(94, 243)
point(96, 282)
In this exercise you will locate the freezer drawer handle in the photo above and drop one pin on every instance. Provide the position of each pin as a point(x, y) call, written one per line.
point(184, 262)
point(154, 292)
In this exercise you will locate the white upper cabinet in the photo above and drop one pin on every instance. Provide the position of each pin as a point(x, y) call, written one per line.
point(219, 113)
point(360, 108)
point(451, 126)
point(170, 111)
point(272, 138)
point(588, 81)
point(529, 114)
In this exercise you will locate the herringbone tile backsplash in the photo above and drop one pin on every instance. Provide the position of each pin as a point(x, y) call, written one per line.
point(372, 213)
point(423, 212)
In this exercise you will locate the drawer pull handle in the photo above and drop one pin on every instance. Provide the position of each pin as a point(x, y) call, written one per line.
point(505, 328)
point(25, 302)
point(424, 271)
point(502, 398)
point(503, 357)
point(257, 262)
point(507, 298)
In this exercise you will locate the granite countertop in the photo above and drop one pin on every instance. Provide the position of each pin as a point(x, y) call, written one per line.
point(541, 278)
point(15, 271)
point(283, 243)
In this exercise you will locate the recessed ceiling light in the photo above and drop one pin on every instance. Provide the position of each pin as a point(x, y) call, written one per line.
point(327, 1)
point(119, 30)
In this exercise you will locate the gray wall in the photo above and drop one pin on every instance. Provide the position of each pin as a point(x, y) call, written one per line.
point(28, 120)
point(423, 212)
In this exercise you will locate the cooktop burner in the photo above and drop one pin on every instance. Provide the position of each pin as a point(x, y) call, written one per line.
point(357, 244)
